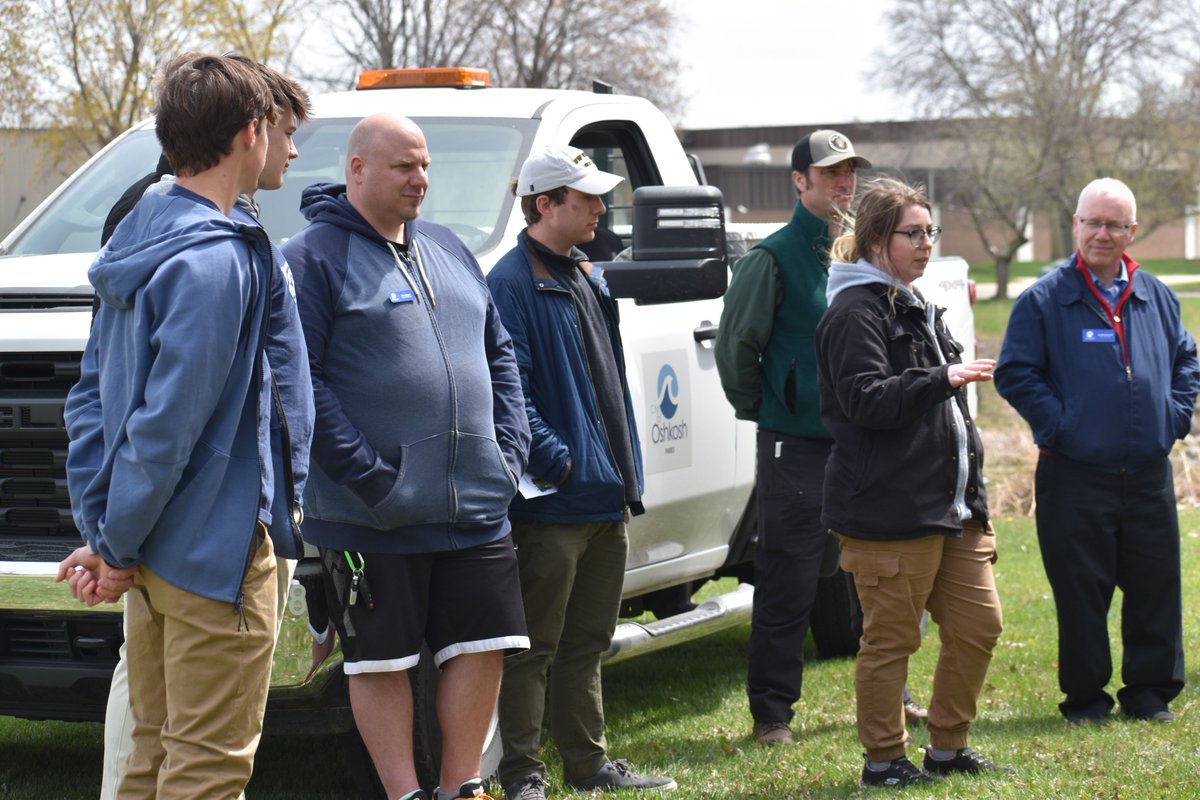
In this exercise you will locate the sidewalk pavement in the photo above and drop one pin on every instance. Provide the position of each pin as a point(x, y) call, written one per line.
point(987, 291)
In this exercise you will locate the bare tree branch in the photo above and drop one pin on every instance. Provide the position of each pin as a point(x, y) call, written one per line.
point(1052, 93)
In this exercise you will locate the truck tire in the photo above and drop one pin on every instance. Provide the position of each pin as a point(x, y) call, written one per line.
point(366, 779)
point(836, 621)
point(427, 739)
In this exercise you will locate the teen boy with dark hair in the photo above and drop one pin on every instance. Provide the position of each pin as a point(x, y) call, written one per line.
point(169, 466)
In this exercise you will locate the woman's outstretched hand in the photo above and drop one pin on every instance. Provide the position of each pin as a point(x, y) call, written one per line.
point(978, 370)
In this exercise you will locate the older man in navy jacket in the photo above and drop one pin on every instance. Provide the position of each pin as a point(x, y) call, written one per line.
point(1097, 360)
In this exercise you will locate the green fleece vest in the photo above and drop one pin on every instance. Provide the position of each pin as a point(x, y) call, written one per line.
point(790, 402)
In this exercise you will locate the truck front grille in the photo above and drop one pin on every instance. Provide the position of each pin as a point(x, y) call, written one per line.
point(37, 639)
point(35, 508)
point(86, 637)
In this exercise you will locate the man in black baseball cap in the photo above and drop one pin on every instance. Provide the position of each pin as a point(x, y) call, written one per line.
point(767, 362)
point(824, 148)
point(823, 171)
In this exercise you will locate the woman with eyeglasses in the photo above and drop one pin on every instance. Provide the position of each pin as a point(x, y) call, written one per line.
point(903, 487)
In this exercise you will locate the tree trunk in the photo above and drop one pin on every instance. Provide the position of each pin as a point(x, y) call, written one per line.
point(1002, 264)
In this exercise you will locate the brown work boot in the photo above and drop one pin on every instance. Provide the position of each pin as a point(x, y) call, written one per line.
point(769, 734)
point(915, 714)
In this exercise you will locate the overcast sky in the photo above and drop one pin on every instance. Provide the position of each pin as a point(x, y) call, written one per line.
point(781, 62)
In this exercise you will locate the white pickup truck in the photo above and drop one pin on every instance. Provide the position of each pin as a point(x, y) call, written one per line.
point(56, 656)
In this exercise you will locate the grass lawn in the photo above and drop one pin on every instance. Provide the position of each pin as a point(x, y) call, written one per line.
point(985, 271)
point(683, 712)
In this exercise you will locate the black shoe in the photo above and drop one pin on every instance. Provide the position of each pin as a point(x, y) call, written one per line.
point(1150, 715)
point(965, 760)
point(617, 774)
point(899, 772)
point(1086, 719)
point(531, 787)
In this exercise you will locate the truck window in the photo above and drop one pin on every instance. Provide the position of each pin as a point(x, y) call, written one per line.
point(72, 223)
point(620, 147)
point(473, 161)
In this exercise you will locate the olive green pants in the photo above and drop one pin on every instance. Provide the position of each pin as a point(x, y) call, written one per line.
point(571, 578)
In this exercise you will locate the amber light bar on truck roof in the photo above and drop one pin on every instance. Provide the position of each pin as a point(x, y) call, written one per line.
point(458, 77)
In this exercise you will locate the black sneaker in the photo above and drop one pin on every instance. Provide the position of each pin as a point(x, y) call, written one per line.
point(531, 787)
point(617, 774)
point(966, 761)
point(1150, 715)
point(899, 772)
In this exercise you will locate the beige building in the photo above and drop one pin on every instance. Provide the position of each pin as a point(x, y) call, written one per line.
point(27, 174)
point(752, 167)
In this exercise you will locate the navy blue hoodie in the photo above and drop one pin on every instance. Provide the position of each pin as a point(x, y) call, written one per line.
point(421, 430)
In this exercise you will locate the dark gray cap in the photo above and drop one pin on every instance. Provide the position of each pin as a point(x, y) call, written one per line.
point(824, 148)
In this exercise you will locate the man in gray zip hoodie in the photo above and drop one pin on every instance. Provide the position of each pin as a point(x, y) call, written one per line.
point(420, 438)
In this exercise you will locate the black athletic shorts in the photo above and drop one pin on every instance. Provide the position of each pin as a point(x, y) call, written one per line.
point(458, 601)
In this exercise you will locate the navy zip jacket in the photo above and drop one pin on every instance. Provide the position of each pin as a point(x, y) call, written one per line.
point(420, 433)
point(1063, 368)
point(560, 398)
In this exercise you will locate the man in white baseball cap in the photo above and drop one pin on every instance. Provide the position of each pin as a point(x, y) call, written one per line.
point(571, 543)
point(556, 167)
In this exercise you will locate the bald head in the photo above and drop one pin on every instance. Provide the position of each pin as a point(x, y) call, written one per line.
point(386, 172)
point(379, 133)
point(1111, 188)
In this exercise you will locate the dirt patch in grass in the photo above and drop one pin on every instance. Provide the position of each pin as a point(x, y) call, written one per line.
point(1011, 459)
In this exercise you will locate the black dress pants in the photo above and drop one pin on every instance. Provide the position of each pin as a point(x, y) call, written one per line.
point(1099, 531)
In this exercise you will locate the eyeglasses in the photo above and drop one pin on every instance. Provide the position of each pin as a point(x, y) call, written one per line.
point(1113, 228)
point(932, 233)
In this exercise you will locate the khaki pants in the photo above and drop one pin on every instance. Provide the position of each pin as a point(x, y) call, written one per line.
point(118, 717)
point(198, 679)
point(896, 582)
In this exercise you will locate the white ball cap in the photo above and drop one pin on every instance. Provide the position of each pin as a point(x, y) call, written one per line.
point(558, 166)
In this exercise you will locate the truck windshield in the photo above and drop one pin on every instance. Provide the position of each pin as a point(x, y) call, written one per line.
point(473, 161)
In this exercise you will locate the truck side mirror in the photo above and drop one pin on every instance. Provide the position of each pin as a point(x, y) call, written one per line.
point(678, 247)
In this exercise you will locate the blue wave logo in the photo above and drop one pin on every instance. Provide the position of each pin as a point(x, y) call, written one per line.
point(668, 391)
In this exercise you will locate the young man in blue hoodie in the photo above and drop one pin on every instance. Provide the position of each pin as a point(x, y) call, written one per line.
point(292, 405)
point(170, 462)
point(420, 438)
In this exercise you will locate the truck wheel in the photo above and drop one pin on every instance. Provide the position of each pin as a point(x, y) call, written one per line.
point(836, 622)
point(427, 739)
point(366, 779)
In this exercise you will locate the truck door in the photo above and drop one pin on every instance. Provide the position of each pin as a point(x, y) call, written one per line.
point(696, 486)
